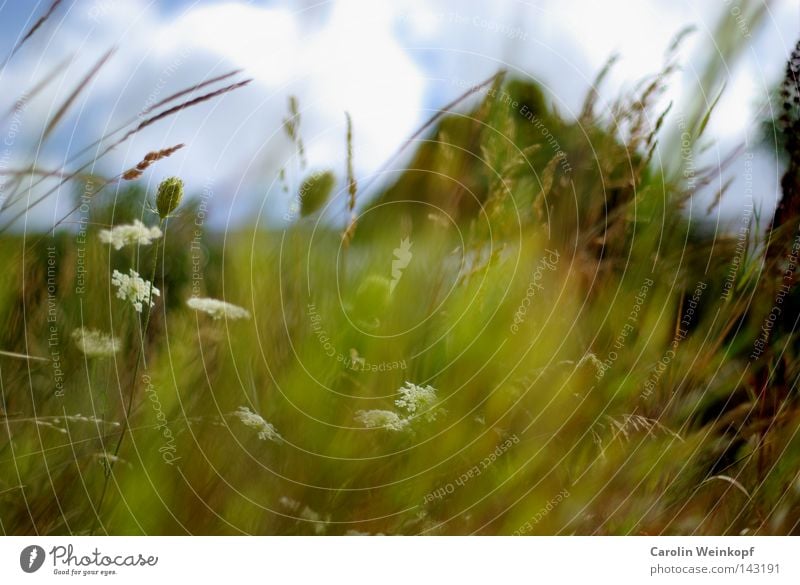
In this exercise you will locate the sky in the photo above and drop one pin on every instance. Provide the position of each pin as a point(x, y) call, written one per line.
point(390, 64)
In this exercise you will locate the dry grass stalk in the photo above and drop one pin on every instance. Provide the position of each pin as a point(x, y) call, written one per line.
point(76, 92)
point(352, 185)
point(149, 158)
point(36, 26)
point(142, 125)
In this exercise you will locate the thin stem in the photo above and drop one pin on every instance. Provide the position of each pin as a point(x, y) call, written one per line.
point(129, 406)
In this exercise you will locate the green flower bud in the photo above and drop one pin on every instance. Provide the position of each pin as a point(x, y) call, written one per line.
point(315, 190)
point(170, 193)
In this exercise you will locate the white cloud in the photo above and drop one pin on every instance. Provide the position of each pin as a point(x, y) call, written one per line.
point(350, 62)
point(384, 62)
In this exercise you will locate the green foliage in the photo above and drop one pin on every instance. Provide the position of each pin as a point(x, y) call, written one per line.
point(587, 354)
point(315, 191)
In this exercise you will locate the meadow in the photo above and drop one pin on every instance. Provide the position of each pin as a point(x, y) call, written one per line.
point(529, 329)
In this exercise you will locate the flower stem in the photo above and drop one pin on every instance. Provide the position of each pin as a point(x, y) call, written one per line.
point(109, 463)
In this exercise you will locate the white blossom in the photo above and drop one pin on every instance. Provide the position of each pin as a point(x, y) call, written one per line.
point(218, 309)
point(385, 419)
point(320, 525)
point(131, 287)
point(599, 366)
point(289, 503)
point(265, 430)
point(130, 234)
point(95, 343)
point(415, 398)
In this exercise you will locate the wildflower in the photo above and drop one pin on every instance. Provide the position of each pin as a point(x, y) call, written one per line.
point(218, 309)
point(265, 430)
point(309, 514)
point(130, 234)
point(592, 359)
point(289, 503)
point(320, 525)
point(95, 343)
point(414, 398)
point(170, 193)
point(131, 287)
point(385, 419)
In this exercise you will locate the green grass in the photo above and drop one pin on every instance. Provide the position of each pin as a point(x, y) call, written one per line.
point(544, 279)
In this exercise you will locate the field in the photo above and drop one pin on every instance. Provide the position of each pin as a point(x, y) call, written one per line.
point(532, 328)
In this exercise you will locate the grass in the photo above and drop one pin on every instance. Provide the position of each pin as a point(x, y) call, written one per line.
point(582, 360)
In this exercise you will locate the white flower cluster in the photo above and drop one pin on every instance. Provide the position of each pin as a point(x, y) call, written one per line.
point(130, 234)
point(599, 366)
point(320, 525)
point(412, 399)
point(218, 309)
point(131, 287)
point(265, 430)
point(289, 503)
point(381, 419)
point(415, 398)
point(95, 343)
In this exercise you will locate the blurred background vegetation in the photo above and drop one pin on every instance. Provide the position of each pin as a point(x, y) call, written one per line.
point(593, 347)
